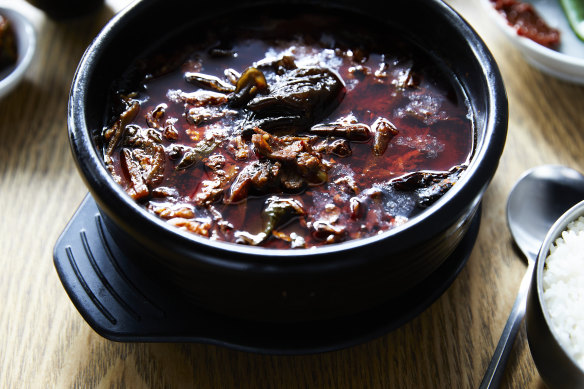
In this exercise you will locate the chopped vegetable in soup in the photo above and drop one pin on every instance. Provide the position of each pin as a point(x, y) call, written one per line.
point(288, 133)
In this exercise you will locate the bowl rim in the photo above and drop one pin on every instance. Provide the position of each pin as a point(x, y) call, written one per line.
point(26, 40)
point(552, 235)
point(95, 174)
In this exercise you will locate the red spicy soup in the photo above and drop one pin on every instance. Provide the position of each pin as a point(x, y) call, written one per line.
point(288, 133)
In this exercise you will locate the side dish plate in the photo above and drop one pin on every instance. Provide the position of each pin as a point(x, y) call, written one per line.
point(26, 42)
point(565, 63)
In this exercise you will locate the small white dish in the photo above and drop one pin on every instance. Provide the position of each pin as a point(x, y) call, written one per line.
point(26, 41)
point(565, 63)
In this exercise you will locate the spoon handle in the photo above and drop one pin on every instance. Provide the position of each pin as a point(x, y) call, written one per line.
point(494, 373)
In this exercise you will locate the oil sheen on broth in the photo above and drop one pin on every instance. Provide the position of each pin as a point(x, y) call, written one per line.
point(288, 133)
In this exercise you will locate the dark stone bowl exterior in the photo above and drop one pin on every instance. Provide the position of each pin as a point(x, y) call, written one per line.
point(291, 285)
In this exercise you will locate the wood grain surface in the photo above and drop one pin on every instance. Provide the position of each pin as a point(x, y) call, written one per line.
point(45, 343)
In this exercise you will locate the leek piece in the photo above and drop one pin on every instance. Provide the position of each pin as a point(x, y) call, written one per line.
point(574, 10)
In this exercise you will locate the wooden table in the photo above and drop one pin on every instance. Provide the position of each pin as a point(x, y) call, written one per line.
point(44, 342)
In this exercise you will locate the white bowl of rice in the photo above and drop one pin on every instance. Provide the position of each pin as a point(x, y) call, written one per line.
point(555, 307)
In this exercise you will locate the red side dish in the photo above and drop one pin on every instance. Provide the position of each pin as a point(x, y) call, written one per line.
point(288, 133)
point(8, 49)
point(527, 22)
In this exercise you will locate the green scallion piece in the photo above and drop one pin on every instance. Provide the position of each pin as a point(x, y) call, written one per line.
point(574, 10)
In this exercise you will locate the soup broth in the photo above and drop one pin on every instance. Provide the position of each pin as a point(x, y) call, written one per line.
point(288, 133)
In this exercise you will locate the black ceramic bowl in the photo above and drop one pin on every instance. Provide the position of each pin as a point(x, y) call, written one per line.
point(306, 284)
point(557, 367)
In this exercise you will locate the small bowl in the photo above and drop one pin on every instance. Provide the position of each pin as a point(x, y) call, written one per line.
point(556, 366)
point(26, 41)
point(567, 62)
point(291, 285)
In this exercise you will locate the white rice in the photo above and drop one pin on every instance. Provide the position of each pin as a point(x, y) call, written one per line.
point(563, 289)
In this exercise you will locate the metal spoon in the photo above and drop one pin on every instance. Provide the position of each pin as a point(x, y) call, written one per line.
point(537, 200)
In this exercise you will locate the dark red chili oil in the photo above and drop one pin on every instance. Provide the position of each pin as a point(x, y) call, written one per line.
point(385, 75)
